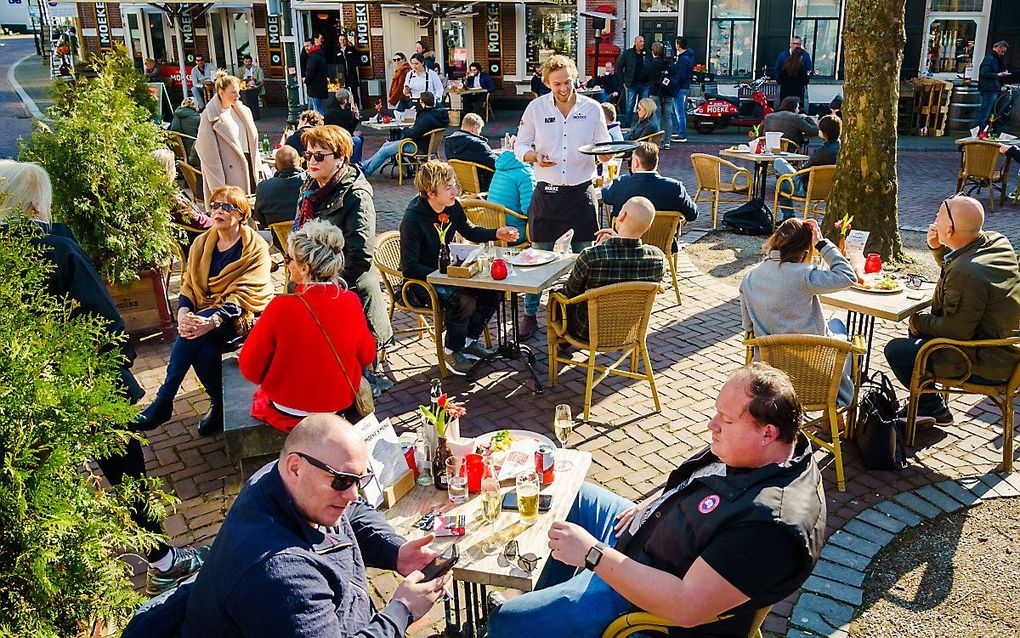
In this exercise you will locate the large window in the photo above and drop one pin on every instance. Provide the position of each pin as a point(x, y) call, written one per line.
point(731, 48)
point(951, 45)
point(817, 23)
point(551, 30)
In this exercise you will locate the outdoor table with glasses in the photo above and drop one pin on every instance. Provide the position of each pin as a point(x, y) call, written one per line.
point(522, 279)
point(762, 161)
point(477, 570)
point(864, 306)
point(395, 128)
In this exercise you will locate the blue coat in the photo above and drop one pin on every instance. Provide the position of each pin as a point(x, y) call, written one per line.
point(513, 183)
point(684, 69)
point(665, 193)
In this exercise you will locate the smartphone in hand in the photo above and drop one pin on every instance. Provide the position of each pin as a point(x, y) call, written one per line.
point(441, 564)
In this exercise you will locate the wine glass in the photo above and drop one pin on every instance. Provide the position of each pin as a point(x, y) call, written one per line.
point(563, 426)
point(492, 505)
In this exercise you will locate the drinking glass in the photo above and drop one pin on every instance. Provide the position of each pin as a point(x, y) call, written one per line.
point(563, 426)
point(492, 505)
point(456, 480)
point(528, 486)
point(423, 460)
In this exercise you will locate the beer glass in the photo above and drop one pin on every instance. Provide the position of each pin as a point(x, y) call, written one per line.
point(528, 486)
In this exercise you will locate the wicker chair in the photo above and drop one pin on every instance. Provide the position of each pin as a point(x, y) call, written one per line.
point(643, 622)
point(180, 248)
point(193, 178)
point(815, 366)
point(618, 316)
point(469, 177)
point(489, 215)
point(708, 170)
point(665, 228)
point(175, 141)
point(387, 261)
point(654, 138)
point(924, 381)
point(410, 157)
point(978, 167)
point(819, 186)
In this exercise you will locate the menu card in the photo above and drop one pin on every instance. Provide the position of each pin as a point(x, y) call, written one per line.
point(854, 244)
point(385, 458)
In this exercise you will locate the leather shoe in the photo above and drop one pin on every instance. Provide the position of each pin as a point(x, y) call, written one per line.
point(156, 414)
point(212, 422)
point(496, 600)
point(528, 326)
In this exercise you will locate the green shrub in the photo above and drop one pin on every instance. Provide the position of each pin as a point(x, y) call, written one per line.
point(106, 185)
point(61, 534)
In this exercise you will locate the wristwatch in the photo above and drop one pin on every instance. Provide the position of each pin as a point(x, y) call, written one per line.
point(594, 556)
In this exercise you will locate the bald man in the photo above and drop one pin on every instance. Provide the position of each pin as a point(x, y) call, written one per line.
point(977, 297)
point(276, 198)
point(617, 256)
point(290, 557)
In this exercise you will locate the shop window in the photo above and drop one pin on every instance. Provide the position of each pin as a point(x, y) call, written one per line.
point(957, 5)
point(731, 44)
point(242, 36)
point(551, 30)
point(157, 36)
point(817, 23)
point(951, 45)
point(660, 6)
point(455, 33)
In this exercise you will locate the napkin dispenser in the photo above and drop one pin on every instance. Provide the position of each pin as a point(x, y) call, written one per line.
point(466, 256)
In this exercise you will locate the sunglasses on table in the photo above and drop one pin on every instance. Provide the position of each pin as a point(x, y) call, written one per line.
point(341, 480)
point(227, 206)
point(512, 554)
point(319, 156)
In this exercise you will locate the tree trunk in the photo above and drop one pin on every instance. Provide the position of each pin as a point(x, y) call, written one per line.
point(865, 187)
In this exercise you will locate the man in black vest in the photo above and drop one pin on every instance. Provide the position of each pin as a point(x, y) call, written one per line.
point(736, 528)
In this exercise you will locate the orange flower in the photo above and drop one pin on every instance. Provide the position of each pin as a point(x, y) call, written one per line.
point(444, 218)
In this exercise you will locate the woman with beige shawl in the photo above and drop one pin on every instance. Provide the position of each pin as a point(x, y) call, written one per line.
point(228, 142)
point(225, 285)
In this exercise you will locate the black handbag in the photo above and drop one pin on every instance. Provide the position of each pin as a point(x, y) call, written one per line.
point(879, 435)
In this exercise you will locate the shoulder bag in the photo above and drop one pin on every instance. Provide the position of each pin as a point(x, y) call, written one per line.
point(363, 393)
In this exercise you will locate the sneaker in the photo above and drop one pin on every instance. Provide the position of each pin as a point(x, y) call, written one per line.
point(187, 561)
point(665, 147)
point(943, 417)
point(674, 137)
point(528, 326)
point(921, 421)
point(679, 139)
point(458, 363)
point(477, 351)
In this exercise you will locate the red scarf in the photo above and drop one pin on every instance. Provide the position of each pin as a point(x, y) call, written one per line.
point(313, 195)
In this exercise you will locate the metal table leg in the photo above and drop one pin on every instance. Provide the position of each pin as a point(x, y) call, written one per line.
point(861, 324)
point(509, 346)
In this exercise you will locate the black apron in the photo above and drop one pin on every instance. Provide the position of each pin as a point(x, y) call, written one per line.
point(556, 209)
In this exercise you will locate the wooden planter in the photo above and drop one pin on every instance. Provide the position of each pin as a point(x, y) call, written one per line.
point(144, 306)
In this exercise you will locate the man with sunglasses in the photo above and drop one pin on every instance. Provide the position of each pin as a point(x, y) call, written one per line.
point(977, 297)
point(291, 555)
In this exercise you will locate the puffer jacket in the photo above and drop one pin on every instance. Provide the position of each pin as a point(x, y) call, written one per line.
point(513, 183)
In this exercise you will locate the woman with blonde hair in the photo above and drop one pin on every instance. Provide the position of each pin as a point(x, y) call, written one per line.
point(225, 285)
point(228, 142)
point(648, 121)
point(27, 190)
point(308, 349)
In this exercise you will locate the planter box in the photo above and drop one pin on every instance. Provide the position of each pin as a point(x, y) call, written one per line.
point(144, 306)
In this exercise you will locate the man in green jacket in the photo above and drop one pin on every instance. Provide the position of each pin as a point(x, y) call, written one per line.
point(977, 297)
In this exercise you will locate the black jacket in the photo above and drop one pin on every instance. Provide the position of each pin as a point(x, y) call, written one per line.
point(988, 73)
point(632, 67)
point(315, 75)
point(294, 141)
point(419, 240)
point(538, 87)
point(608, 82)
point(269, 569)
point(427, 120)
point(462, 145)
point(347, 61)
point(276, 198)
point(342, 117)
point(665, 193)
point(684, 69)
point(186, 121)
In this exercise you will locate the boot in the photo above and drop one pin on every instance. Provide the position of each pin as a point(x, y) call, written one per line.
point(159, 412)
point(212, 422)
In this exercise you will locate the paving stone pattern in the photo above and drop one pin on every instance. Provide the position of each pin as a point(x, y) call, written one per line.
point(693, 348)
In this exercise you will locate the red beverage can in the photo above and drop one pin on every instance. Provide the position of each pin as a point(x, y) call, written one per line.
point(545, 464)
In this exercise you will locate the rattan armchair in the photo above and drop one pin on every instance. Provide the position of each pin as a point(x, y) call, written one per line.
point(489, 215)
point(925, 381)
point(654, 138)
point(815, 366)
point(175, 141)
point(618, 316)
point(387, 261)
point(708, 170)
point(410, 157)
point(641, 622)
point(819, 186)
point(193, 178)
point(978, 166)
point(666, 227)
point(469, 176)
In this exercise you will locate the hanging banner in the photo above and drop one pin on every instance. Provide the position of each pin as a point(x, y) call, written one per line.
point(275, 32)
point(492, 38)
point(362, 41)
point(103, 27)
point(187, 34)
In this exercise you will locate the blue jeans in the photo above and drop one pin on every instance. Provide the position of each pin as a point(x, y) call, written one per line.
point(385, 153)
point(563, 604)
point(203, 354)
point(356, 154)
point(665, 107)
point(987, 104)
point(799, 189)
point(680, 113)
point(631, 96)
point(467, 311)
point(531, 302)
point(317, 104)
point(901, 354)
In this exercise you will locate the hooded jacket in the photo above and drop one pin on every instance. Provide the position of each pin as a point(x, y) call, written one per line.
point(684, 68)
point(512, 184)
point(419, 239)
point(186, 120)
point(428, 119)
point(466, 146)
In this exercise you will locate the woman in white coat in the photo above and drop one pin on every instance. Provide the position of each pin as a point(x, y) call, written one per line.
point(228, 142)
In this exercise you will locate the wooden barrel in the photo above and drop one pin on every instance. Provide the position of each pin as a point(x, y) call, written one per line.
point(963, 108)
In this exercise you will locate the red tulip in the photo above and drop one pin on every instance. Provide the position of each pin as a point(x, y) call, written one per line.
point(444, 218)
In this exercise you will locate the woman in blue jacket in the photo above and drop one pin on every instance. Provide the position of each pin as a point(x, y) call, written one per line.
point(511, 186)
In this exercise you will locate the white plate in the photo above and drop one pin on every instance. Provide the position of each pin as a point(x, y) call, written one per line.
point(524, 441)
point(533, 257)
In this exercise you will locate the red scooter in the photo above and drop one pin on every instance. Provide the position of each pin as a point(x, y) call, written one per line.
point(718, 111)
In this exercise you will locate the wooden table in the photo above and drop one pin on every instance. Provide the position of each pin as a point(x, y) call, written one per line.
point(526, 279)
point(864, 307)
point(457, 97)
point(761, 174)
point(394, 128)
point(476, 571)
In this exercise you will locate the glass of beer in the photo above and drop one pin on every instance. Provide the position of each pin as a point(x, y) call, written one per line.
point(528, 486)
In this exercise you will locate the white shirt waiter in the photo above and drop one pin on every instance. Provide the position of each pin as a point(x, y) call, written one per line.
point(546, 131)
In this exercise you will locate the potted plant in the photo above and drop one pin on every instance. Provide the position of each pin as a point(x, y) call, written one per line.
point(62, 534)
point(108, 188)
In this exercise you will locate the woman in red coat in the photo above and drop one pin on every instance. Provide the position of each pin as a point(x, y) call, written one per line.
point(290, 351)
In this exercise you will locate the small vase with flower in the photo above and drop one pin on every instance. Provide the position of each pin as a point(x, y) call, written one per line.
point(843, 226)
point(442, 227)
point(443, 417)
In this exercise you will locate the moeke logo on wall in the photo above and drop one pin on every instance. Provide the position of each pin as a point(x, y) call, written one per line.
point(275, 47)
point(492, 37)
point(361, 40)
point(103, 27)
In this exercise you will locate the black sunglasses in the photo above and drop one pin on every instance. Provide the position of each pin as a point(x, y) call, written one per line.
point(230, 208)
point(287, 258)
point(341, 480)
point(949, 211)
point(319, 156)
point(527, 562)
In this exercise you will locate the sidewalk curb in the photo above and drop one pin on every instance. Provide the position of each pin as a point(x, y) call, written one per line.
point(29, 103)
